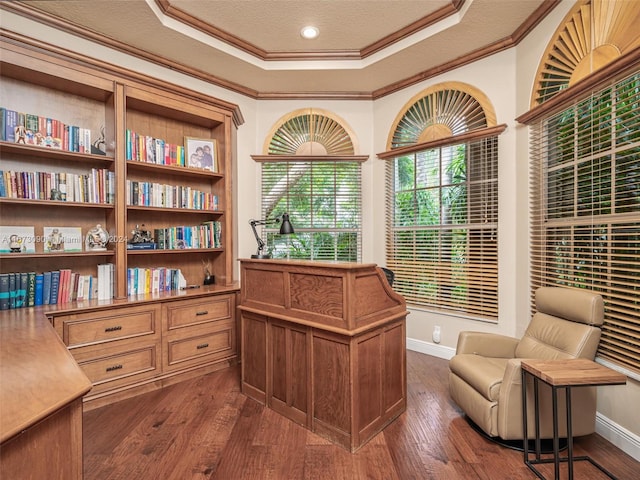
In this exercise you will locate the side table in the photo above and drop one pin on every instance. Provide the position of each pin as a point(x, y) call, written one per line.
point(561, 374)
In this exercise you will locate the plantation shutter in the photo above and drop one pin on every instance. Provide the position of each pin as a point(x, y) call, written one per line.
point(585, 175)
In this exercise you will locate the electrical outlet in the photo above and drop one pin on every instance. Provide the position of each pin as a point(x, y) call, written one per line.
point(436, 334)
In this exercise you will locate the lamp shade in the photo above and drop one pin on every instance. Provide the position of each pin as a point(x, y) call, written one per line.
point(286, 228)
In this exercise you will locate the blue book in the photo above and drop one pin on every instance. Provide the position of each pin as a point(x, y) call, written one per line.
point(3, 188)
point(10, 124)
point(39, 299)
point(46, 288)
point(4, 291)
point(55, 287)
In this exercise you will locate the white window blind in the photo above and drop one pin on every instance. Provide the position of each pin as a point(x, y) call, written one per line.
point(586, 208)
point(323, 199)
point(442, 227)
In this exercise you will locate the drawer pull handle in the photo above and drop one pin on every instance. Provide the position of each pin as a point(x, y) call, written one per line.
point(114, 367)
point(202, 345)
point(113, 329)
point(204, 312)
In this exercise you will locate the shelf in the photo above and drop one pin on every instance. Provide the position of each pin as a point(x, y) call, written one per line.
point(55, 203)
point(173, 169)
point(174, 251)
point(174, 210)
point(22, 256)
point(49, 153)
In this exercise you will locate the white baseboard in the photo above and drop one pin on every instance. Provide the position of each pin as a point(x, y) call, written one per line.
point(622, 438)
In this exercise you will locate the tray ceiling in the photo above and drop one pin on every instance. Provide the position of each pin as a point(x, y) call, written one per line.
point(366, 48)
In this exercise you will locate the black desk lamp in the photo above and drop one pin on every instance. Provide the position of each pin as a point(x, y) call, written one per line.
point(285, 229)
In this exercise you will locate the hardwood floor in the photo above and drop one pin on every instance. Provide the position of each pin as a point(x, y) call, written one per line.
point(206, 429)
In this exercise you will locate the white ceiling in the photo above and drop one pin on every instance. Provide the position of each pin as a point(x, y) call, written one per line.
point(366, 48)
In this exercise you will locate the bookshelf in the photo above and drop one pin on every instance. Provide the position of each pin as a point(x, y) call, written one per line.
point(106, 103)
point(126, 344)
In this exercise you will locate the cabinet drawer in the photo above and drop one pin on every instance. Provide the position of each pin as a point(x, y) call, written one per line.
point(109, 325)
point(201, 345)
point(121, 365)
point(197, 311)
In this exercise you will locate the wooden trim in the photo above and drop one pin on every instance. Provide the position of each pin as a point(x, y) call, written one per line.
point(617, 69)
point(224, 36)
point(452, 8)
point(116, 70)
point(310, 158)
point(455, 139)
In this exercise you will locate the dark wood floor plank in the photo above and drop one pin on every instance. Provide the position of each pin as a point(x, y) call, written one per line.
point(206, 429)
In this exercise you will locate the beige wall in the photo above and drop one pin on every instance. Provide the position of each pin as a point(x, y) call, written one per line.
point(506, 78)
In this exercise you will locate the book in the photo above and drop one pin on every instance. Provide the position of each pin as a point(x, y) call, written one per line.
point(4, 291)
point(13, 285)
point(21, 289)
point(55, 287)
point(39, 290)
point(10, 120)
point(142, 246)
point(31, 289)
point(46, 288)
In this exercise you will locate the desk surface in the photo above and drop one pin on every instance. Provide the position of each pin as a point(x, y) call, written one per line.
point(576, 371)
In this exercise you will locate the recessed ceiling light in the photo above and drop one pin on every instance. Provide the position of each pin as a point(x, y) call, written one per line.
point(309, 32)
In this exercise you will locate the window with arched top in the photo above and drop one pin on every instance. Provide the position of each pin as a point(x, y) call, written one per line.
point(310, 171)
point(585, 167)
point(442, 201)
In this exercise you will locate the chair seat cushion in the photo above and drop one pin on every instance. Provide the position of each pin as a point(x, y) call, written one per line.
point(484, 374)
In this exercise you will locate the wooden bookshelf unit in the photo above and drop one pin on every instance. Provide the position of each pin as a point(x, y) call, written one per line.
point(148, 336)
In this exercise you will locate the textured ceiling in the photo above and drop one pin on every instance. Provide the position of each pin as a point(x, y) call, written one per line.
point(366, 47)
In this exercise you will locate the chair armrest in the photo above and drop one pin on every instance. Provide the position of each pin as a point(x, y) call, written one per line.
point(487, 344)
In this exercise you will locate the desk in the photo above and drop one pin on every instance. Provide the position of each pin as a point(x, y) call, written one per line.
point(562, 374)
point(323, 343)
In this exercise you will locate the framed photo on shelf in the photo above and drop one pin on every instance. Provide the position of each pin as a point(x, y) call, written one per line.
point(201, 153)
point(17, 239)
point(62, 239)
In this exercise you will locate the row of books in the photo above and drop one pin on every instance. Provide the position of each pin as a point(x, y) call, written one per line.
point(29, 289)
point(152, 194)
point(32, 129)
point(153, 280)
point(206, 235)
point(98, 186)
point(143, 148)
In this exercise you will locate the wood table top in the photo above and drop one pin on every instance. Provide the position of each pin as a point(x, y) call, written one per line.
point(574, 371)
point(38, 375)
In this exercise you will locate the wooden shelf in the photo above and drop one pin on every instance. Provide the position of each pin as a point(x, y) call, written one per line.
point(50, 153)
point(175, 251)
point(55, 203)
point(173, 170)
point(175, 210)
point(23, 256)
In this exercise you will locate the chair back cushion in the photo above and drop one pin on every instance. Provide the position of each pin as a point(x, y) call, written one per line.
point(549, 338)
point(576, 305)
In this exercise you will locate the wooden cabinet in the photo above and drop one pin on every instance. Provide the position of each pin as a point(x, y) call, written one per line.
point(135, 341)
point(198, 331)
point(133, 347)
point(324, 345)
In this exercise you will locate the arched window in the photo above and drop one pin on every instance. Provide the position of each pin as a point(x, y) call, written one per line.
point(585, 167)
point(310, 171)
point(442, 201)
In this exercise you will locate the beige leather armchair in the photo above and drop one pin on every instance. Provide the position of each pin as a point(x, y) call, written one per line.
point(485, 377)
